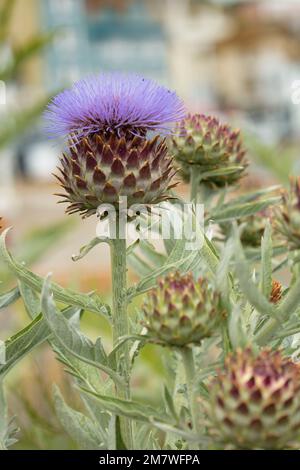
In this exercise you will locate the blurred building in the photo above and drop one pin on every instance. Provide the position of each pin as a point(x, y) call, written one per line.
point(230, 57)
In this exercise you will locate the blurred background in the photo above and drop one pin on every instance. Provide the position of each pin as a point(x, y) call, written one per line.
point(237, 59)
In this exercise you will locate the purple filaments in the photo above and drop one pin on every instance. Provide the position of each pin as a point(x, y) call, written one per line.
point(113, 102)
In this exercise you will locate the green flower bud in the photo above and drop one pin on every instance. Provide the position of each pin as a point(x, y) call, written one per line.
point(181, 311)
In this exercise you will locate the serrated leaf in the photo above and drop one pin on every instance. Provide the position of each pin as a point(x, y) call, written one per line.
point(285, 309)
point(151, 253)
point(237, 334)
point(168, 428)
point(31, 300)
point(222, 279)
point(220, 172)
point(150, 281)
point(182, 259)
point(291, 301)
point(87, 248)
point(187, 254)
point(139, 339)
point(73, 340)
point(9, 298)
point(169, 402)
point(81, 428)
point(3, 418)
point(35, 282)
point(22, 343)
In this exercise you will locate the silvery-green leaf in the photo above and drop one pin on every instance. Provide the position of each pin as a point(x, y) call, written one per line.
point(84, 250)
point(31, 300)
point(22, 343)
point(254, 254)
point(237, 211)
point(139, 265)
point(254, 195)
point(8, 429)
point(220, 172)
point(169, 403)
point(73, 340)
point(3, 418)
point(150, 281)
point(115, 439)
point(266, 261)
point(188, 436)
point(285, 309)
point(85, 301)
point(128, 408)
point(146, 437)
point(80, 427)
point(222, 279)
point(151, 254)
point(182, 259)
point(139, 339)
point(290, 302)
point(9, 298)
point(236, 328)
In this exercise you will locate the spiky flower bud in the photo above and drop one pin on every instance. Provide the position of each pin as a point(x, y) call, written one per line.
point(106, 119)
point(255, 400)
point(286, 217)
point(181, 311)
point(204, 145)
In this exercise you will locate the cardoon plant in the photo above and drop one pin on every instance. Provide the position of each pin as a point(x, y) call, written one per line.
point(107, 120)
point(213, 310)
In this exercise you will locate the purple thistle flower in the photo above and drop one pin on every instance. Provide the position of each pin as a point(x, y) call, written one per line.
point(113, 102)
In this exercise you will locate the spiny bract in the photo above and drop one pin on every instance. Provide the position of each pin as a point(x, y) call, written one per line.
point(253, 228)
point(101, 170)
point(181, 310)
point(106, 119)
point(204, 145)
point(255, 400)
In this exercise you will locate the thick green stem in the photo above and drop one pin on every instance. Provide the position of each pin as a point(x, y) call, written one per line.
point(121, 327)
point(194, 184)
point(190, 373)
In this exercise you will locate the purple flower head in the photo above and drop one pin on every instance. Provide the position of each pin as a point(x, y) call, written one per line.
point(113, 102)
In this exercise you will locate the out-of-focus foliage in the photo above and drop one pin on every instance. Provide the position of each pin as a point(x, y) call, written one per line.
point(281, 160)
point(15, 123)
